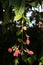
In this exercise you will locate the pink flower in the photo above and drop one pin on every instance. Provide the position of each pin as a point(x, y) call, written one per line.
point(28, 41)
point(30, 52)
point(16, 53)
point(10, 50)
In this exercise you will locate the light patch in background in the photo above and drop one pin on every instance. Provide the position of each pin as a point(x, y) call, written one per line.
point(28, 14)
point(0, 22)
point(39, 8)
point(3, 10)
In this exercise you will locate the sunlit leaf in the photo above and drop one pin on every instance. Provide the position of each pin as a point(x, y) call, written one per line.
point(27, 20)
point(19, 9)
point(16, 61)
point(17, 17)
point(40, 63)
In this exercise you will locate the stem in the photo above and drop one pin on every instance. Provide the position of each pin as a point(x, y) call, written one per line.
point(22, 29)
point(22, 34)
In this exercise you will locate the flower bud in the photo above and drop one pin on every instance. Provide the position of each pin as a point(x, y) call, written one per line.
point(10, 50)
point(28, 41)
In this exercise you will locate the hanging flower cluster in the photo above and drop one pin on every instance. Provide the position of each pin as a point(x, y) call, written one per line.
point(19, 49)
point(16, 51)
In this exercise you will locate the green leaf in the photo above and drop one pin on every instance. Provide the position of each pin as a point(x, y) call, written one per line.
point(20, 40)
point(41, 58)
point(24, 57)
point(19, 9)
point(18, 33)
point(17, 17)
point(31, 59)
point(27, 20)
point(5, 4)
point(40, 63)
point(16, 61)
point(6, 18)
point(34, 4)
point(22, 7)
